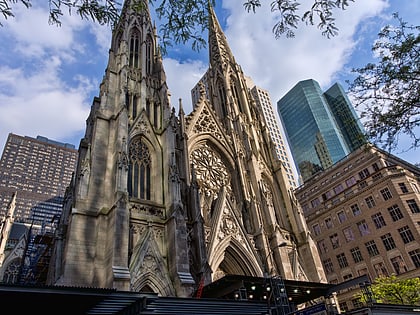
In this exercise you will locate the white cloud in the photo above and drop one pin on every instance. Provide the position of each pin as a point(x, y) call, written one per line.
point(182, 77)
point(38, 96)
point(40, 104)
point(278, 64)
point(35, 98)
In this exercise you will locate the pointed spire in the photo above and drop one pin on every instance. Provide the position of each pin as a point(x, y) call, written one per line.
point(219, 50)
point(180, 108)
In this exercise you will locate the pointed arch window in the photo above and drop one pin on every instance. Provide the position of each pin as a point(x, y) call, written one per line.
point(235, 93)
point(222, 97)
point(149, 52)
point(155, 114)
point(11, 274)
point(134, 60)
point(148, 108)
point(139, 172)
point(134, 106)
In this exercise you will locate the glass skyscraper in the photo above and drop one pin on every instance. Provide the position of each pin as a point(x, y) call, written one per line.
point(345, 116)
point(321, 128)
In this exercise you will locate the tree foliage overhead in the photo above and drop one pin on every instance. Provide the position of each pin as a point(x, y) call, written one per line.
point(185, 20)
point(388, 93)
point(391, 290)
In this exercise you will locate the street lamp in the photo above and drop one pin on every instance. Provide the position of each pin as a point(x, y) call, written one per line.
point(276, 290)
point(282, 244)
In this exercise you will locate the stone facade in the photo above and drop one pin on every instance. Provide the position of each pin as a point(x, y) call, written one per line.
point(163, 202)
point(364, 214)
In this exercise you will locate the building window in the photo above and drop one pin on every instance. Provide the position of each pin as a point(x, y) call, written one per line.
point(375, 167)
point(364, 173)
point(357, 302)
point(315, 203)
point(316, 228)
point(362, 184)
point(377, 176)
point(328, 223)
point(344, 307)
point(388, 241)
point(350, 181)
point(134, 49)
point(139, 172)
point(415, 257)
point(328, 266)
point(342, 260)
point(338, 189)
point(341, 216)
point(356, 254)
point(386, 194)
point(399, 265)
point(355, 209)
point(348, 234)
point(395, 213)
point(362, 272)
point(378, 220)
point(412, 204)
point(11, 274)
point(403, 188)
point(406, 234)
point(370, 202)
point(335, 242)
point(380, 270)
point(149, 54)
point(322, 247)
point(333, 281)
point(372, 248)
point(347, 277)
point(363, 228)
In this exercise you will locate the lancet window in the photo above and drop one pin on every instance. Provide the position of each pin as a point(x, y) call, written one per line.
point(149, 54)
point(235, 93)
point(139, 172)
point(155, 114)
point(134, 56)
point(222, 97)
point(134, 106)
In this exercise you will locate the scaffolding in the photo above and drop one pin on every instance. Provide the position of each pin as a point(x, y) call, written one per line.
point(278, 299)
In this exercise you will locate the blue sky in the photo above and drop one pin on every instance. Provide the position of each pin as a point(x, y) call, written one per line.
point(49, 75)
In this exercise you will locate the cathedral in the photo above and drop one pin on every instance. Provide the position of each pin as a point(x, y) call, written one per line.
point(164, 201)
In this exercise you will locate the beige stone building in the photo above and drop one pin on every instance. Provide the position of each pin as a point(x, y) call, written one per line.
point(364, 213)
point(163, 202)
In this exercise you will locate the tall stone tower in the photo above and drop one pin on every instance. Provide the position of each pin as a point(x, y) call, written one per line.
point(160, 201)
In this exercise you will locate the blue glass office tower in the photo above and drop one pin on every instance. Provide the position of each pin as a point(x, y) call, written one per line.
point(345, 117)
point(321, 128)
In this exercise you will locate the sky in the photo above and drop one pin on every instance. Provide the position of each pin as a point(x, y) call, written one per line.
point(49, 74)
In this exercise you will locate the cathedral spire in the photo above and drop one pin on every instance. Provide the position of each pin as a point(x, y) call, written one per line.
point(219, 50)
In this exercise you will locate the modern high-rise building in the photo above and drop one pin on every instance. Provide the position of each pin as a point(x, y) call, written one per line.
point(345, 116)
point(34, 175)
point(169, 203)
point(364, 214)
point(263, 99)
point(321, 128)
point(38, 170)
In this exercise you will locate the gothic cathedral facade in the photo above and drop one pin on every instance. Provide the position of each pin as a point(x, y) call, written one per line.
point(162, 201)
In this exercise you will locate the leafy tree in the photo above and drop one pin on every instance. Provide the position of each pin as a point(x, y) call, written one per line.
point(388, 92)
point(185, 20)
point(391, 290)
